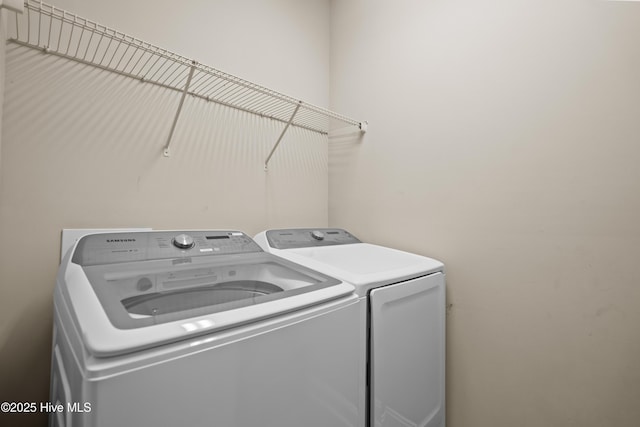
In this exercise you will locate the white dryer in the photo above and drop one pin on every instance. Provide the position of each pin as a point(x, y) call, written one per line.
point(201, 328)
point(404, 295)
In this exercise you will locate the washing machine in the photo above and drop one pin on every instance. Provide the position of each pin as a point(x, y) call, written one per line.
point(201, 328)
point(404, 296)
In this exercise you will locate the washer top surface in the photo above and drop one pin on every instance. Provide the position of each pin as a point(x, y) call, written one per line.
point(338, 253)
point(140, 289)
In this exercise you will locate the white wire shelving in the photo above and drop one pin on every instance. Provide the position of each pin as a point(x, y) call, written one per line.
point(61, 33)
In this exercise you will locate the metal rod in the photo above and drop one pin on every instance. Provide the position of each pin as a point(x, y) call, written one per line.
point(144, 52)
point(279, 110)
point(39, 24)
point(88, 44)
point(175, 119)
point(150, 68)
point(123, 56)
point(246, 97)
point(114, 54)
point(266, 162)
point(79, 43)
point(178, 78)
point(60, 32)
point(198, 79)
point(107, 49)
point(28, 26)
point(93, 58)
point(260, 102)
point(160, 68)
point(131, 59)
point(228, 92)
point(176, 67)
point(217, 82)
point(73, 27)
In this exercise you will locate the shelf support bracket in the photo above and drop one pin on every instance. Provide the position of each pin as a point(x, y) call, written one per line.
point(266, 162)
point(175, 119)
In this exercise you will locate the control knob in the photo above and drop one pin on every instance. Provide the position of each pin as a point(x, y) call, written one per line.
point(183, 241)
point(318, 235)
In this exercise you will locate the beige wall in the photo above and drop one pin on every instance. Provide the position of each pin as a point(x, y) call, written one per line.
point(82, 148)
point(504, 139)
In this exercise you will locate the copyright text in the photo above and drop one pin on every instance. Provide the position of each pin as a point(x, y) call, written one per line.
point(46, 407)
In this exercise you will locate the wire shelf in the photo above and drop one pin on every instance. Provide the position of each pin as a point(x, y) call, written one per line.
point(56, 31)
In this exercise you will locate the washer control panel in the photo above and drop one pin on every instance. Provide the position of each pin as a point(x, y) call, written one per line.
point(309, 237)
point(109, 248)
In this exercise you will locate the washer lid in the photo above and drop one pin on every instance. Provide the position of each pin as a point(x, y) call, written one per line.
point(122, 305)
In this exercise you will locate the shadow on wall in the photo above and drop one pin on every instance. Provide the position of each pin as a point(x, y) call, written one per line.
point(27, 345)
point(345, 154)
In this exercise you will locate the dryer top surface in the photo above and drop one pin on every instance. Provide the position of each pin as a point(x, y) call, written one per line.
point(361, 264)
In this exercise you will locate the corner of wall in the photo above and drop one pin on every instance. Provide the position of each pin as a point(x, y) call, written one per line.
point(3, 45)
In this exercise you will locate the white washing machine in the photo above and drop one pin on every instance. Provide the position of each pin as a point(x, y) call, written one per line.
point(201, 328)
point(404, 295)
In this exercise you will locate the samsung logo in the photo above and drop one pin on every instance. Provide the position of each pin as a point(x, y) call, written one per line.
point(120, 240)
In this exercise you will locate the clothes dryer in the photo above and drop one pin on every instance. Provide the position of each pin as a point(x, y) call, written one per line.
point(201, 328)
point(404, 295)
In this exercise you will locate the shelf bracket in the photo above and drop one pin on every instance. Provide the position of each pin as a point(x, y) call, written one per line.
point(266, 162)
point(175, 119)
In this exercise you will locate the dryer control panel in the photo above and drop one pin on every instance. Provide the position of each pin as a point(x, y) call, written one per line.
point(309, 237)
point(110, 248)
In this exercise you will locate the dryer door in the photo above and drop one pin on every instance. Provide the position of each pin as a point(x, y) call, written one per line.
point(408, 353)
